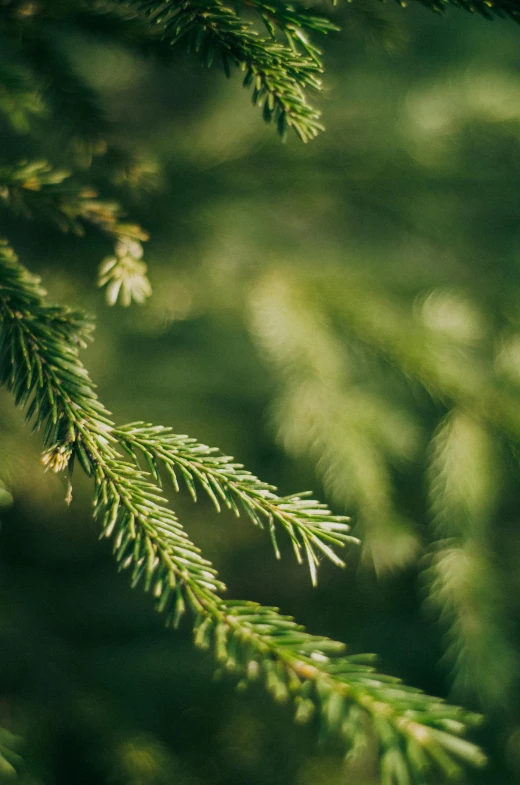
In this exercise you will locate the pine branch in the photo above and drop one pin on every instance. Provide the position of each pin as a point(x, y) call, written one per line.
point(278, 74)
point(312, 528)
point(63, 401)
point(36, 189)
point(464, 585)
point(39, 357)
point(415, 733)
point(446, 369)
point(118, 21)
point(293, 21)
point(323, 412)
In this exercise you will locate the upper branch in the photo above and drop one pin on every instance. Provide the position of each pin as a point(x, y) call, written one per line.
point(279, 74)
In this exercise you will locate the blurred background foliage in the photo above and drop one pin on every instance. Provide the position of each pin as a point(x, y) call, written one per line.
point(343, 316)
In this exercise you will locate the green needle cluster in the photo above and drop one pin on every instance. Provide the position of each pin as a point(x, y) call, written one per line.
point(40, 365)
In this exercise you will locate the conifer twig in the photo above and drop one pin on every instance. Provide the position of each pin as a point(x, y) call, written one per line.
point(323, 412)
point(37, 189)
point(464, 586)
point(450, 375)
point(39, 358)
point(310, 525)
point(294, 22)
point(279, 74)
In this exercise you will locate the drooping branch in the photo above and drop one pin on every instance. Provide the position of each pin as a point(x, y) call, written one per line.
point(279, 73)
point(323, 412)
point(39, 363)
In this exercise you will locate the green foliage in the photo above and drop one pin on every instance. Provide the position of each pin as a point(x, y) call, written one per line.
point(320, 372)
point(40, 366)
point(36, 190)
point(464, 484)
point(325, 409)
point(309, 524)
point(279, 68)
point(321, 412)
point(278, 73)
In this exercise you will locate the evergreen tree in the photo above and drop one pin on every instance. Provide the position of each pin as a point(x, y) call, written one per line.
point(299, 322)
